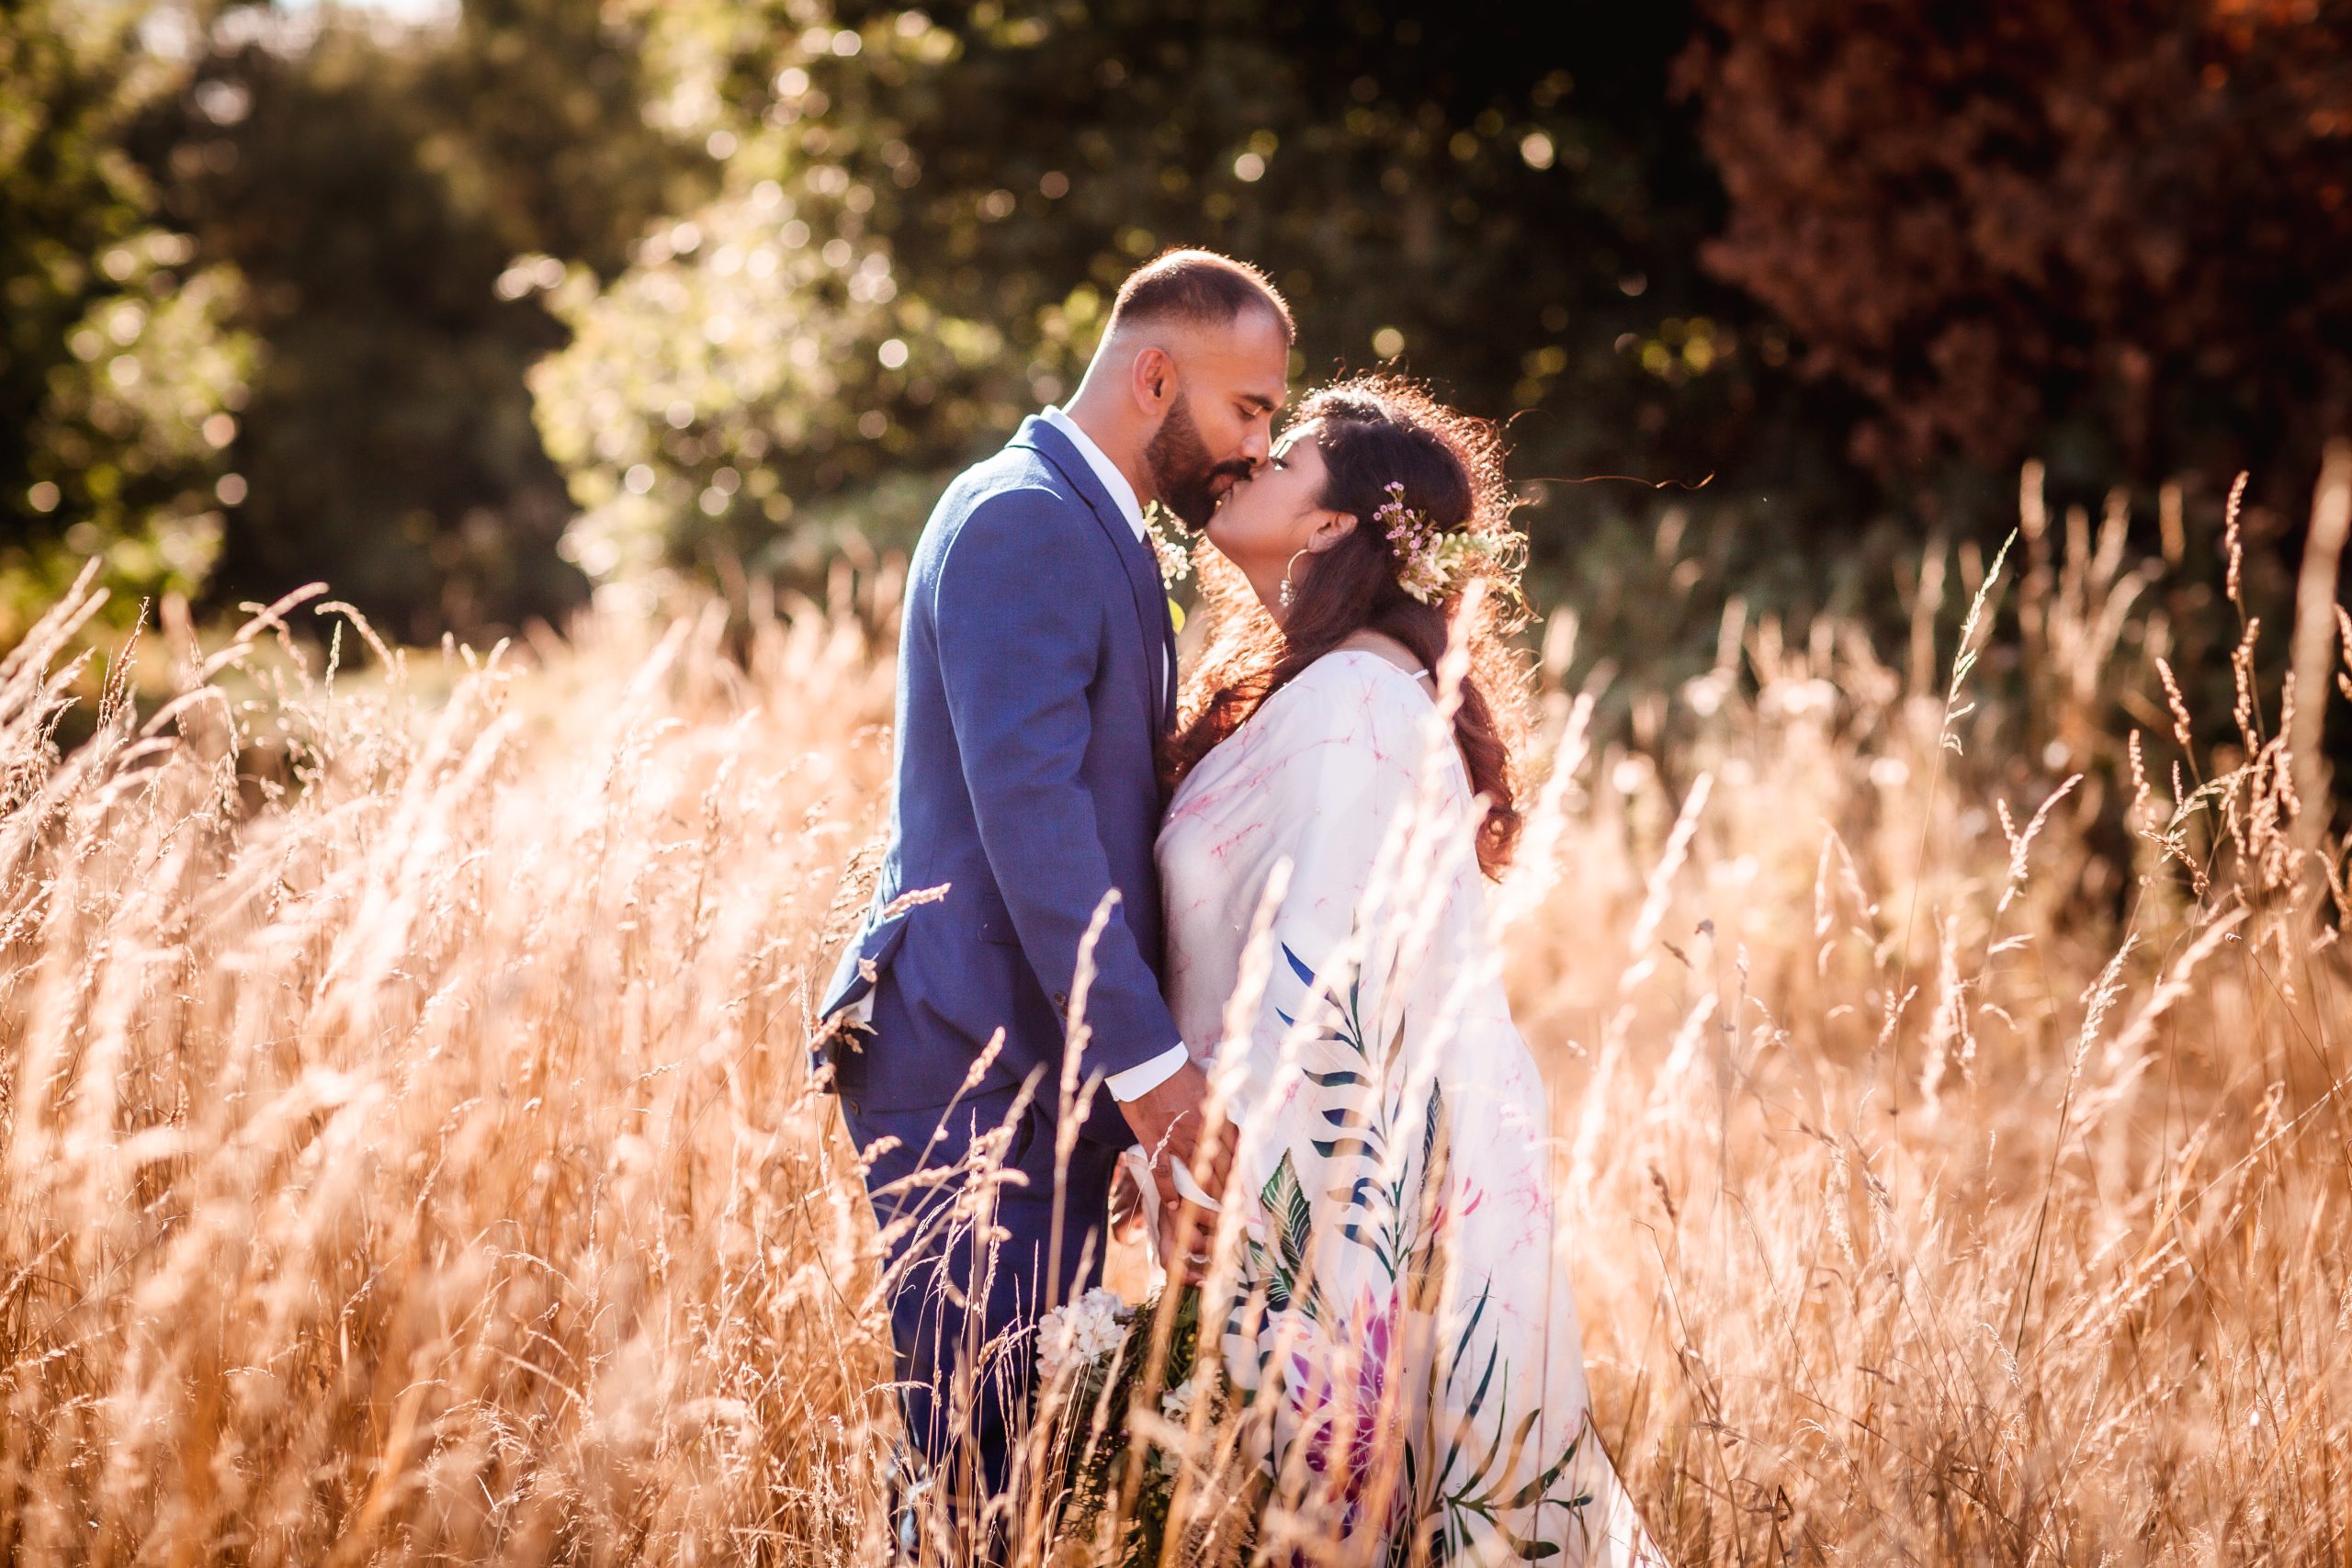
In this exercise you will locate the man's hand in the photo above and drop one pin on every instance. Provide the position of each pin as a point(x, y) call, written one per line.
point(1170, 1122)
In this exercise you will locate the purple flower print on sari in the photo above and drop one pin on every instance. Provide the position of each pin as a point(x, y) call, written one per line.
point(1335, 1392)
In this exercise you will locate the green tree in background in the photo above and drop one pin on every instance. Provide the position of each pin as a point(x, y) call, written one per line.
point(925, 212)
point(119, 373)
point(395, 198)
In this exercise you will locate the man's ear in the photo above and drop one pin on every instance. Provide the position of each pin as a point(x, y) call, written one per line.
point(1152, 375)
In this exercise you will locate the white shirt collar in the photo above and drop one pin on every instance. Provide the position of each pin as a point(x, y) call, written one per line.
point(1122, 494)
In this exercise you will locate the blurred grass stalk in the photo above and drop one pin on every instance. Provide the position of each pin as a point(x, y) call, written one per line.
point(408, 1153)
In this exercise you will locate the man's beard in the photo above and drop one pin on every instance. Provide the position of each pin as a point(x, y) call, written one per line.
point(1181, 469)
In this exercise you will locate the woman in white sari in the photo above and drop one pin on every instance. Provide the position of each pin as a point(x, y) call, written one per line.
point(1389, 1264)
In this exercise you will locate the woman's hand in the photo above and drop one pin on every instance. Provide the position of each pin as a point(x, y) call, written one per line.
point(1186, 1233)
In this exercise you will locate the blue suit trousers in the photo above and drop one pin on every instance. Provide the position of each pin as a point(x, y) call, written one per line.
point(962, 1311)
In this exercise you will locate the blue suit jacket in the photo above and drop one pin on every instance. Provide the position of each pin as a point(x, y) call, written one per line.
point(1036, 672)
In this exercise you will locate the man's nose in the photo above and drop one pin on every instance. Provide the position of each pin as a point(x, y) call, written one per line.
point(1253, 449)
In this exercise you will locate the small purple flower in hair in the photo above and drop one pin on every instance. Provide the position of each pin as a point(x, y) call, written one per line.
point(1414, 538)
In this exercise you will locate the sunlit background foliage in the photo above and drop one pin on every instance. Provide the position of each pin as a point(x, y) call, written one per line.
point(122, 365)
point(470, 309)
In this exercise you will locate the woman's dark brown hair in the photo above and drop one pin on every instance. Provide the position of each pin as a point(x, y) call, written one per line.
point(1372, 432)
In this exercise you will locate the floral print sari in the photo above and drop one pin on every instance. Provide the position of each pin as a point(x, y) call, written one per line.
point(1388, 1291)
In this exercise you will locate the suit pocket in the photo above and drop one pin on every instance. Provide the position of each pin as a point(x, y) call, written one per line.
point(869, 950)
point(996, 924)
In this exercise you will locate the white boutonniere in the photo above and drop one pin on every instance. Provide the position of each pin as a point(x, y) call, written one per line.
point(1166, 534)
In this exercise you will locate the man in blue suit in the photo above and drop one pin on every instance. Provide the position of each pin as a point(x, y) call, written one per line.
point(1037, 675)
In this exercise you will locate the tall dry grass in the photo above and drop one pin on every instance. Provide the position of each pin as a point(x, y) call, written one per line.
point(408, 1154)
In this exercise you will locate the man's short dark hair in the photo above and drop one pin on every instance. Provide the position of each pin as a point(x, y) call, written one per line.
point(1197, 286)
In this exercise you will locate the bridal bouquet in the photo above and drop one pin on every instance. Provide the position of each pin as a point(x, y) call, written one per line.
point(1092, 1358)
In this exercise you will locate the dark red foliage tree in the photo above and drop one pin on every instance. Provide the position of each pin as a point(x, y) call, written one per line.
point(2119, 234)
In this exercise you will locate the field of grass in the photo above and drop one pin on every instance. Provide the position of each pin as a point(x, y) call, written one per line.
point(408, 1157)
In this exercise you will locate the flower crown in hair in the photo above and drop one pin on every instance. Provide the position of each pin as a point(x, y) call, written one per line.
point(1431, 561)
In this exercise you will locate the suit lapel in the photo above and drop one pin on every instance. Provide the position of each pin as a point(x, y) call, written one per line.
point(1135, 557)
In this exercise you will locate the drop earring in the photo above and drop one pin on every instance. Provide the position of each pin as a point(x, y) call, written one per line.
point(1287, 593)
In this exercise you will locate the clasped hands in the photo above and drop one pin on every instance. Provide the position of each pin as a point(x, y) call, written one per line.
point(1171, 1122)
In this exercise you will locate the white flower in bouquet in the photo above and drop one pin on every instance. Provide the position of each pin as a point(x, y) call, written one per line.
point(1176, 1404)
point(1085, 1331)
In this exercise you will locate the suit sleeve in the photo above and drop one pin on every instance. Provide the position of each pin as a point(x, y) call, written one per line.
point(1019, 621)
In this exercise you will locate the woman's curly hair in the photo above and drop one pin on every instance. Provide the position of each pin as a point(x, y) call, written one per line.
point(1375, 432)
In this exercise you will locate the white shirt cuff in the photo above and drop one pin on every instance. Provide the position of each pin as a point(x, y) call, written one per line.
point(1144, 1077)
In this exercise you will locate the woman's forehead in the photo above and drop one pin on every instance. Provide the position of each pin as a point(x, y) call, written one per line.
point(1292, 435)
